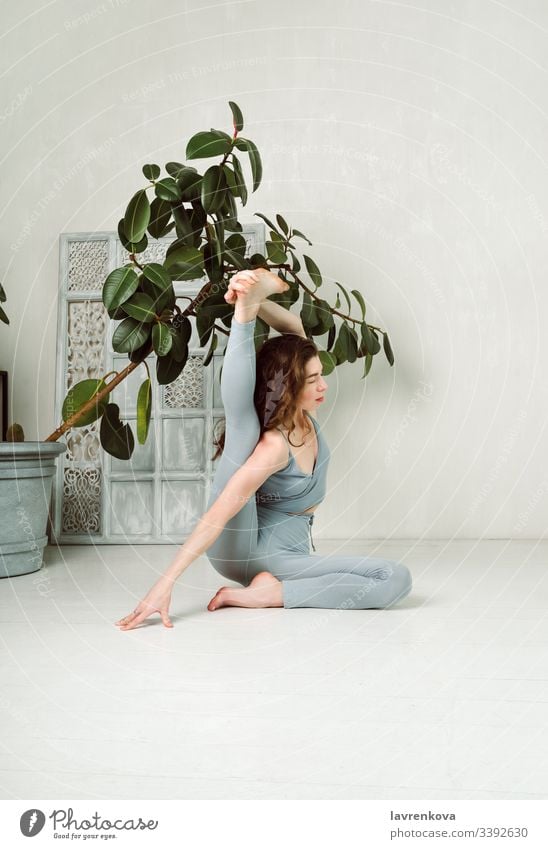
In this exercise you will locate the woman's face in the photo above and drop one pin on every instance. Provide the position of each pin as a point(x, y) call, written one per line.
point(315, 387)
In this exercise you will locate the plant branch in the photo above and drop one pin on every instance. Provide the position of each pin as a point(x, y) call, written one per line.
point(72, 420)
point(286, 267)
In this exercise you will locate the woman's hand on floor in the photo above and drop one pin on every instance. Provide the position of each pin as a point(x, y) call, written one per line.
point(157, 600)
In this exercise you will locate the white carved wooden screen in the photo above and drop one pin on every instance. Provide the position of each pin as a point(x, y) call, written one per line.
point(158, 495)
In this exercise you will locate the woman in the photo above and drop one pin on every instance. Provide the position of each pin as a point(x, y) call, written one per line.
point(271, 478)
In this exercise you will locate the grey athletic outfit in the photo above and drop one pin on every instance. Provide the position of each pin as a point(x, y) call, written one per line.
point(263, 535)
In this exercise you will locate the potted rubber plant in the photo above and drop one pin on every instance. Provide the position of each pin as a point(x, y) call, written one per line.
point(26, 476)
point(200, 208)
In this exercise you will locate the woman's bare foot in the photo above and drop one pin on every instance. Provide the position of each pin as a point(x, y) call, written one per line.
point(254, 286)
point(264, 591)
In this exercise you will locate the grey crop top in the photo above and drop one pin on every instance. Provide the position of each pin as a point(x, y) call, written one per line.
point(293, 491)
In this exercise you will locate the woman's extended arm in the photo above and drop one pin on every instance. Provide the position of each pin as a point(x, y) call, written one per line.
point(273, 313)
point(269, 456)
point(280, 319)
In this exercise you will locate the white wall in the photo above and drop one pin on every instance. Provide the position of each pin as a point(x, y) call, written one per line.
point(408, 144)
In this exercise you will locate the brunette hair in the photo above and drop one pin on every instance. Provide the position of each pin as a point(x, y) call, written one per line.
point(280, 377)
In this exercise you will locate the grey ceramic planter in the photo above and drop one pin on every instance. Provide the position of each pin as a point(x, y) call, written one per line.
point(26, 477)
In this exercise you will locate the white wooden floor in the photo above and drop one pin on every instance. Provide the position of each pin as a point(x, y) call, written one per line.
point(443, 697)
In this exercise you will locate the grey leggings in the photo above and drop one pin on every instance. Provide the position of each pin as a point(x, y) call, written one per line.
point(258, 539)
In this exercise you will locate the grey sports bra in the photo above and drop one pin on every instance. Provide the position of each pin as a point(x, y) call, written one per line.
point(293, 491)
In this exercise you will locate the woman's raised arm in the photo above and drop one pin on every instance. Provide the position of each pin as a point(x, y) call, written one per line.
point(273, 313)
point(280, 319)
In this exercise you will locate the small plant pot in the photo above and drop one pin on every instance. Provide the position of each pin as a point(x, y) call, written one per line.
point(26, 477)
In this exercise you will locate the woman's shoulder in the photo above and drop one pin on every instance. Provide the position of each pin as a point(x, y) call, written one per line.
point(276, 442)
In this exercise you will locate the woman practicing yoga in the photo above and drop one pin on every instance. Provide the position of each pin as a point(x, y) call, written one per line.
point(270, 478)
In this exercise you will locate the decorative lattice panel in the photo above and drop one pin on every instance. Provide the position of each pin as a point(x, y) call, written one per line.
point(88, 264)
point(160, 493)
point(86, 328)
point(188, 389)
point(81, 506)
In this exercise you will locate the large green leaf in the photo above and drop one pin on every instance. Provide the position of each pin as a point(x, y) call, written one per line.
point(275, 252)
point(348, 339)
point(214, 188)
point(198, 219)
point(237, 243)
point(230, 180)
point(184, 262)
point(119, 286)
point(141, 353)
point(190, 183)
point(130, 335)
point(280, 240)
point(140, 306)
point(183, 326)
point(168, 189)
point(205, 320)
point(257, 261)
point(367, 340)
point(2, 294)
point(360, 300)
point(296, 265)
point(151, 172)
point(176, 169)
point(162, 300)
point(160, 213)
point(131, 247)
point(144, 405)
point(240, 180)
point(168, 369)
point(220, 134)
point(346, 346)
point(206, 144)
point(376, 344)
point(137, 216)
point(328, 361)
point(219, 229)
point(388, 349)
point(323, 315)
point(308, 313)
point(282, 223)
point(237, 116)
point(313, 270)
point(78, 395)
point(157, 275)
point(256, 164)
point(161, 339)
point(266, 220)
point(301, 236)
point(368, 362)
point(3, 316)
point(179, 345)
point(183, 223)
point(116, 438)
point(212, 262)
point(234, 250)
point(228, 213)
